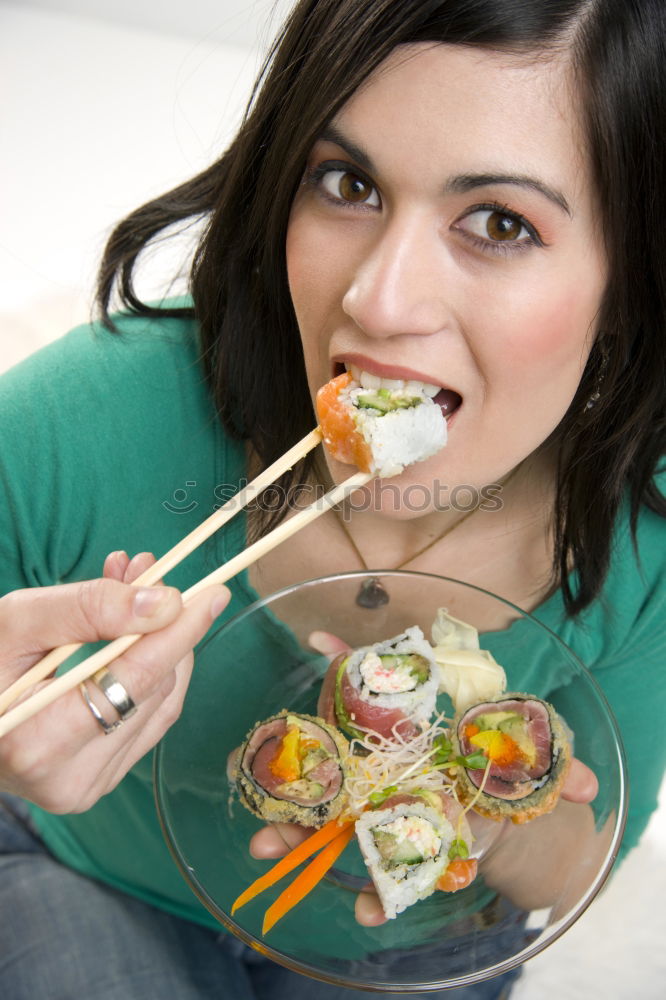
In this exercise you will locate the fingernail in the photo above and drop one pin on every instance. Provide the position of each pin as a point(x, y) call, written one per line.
point(218, 604)
point(149, 600)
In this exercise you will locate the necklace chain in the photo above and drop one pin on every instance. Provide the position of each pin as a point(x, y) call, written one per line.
point(373, 593)
point(415, 555)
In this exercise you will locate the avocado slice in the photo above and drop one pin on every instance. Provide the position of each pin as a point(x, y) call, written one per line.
point(302, 788)
point(418, 666)
point(341, 714)
point(374, 401)
point(432, 798)
point(384, 401)
point(495, 720)
point(312, 759)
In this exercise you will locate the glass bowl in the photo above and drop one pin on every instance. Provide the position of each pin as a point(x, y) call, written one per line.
point(258, 663)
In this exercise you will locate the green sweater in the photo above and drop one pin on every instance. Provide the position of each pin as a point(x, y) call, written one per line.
point(112, 442)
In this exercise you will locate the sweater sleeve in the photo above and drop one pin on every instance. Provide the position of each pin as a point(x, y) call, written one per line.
point(98, 431)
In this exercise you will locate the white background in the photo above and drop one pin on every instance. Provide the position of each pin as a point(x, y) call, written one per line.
point(106, 103)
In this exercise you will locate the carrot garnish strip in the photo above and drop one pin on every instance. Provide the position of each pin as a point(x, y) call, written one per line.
point(292, 860)
point(308, 879)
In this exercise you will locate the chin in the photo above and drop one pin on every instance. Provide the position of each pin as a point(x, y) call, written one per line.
point(414, 493)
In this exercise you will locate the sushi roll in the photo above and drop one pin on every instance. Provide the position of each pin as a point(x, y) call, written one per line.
point(529, 753)
point(405, 846)
point(388, 688)
point(379, 430)
point(291, 769)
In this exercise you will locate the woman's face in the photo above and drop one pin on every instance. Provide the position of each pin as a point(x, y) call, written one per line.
point(446, 231)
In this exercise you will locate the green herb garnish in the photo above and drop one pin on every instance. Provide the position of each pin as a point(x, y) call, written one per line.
point(442, 747)
point(477, 760)
point(376, 798)
point(458, 849)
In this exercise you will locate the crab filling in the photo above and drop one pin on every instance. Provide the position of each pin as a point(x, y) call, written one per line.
point(393, 673)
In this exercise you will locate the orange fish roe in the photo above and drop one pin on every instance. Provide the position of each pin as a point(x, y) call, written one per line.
point(340, 434)
point(471, 730)
point(498, 747)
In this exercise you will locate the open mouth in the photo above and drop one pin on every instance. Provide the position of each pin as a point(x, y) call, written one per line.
point(448, 400)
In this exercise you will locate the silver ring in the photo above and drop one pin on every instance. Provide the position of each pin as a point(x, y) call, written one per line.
point(108, 727)
point(115, 693)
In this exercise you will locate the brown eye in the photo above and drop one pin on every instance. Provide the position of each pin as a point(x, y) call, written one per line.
point(503, 227)
point(348, 188)
point(490, 227)
point(353, 188)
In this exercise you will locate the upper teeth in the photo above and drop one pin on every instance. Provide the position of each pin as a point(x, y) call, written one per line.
point(374, 382)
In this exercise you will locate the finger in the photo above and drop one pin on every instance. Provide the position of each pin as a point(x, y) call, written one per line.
point(32, 621)
point(68, 727)
point(277, 840)
point(145, 667)
point(368, 910)
point(581, 784)
point(87, 763)
point(138, 565)
point(327, 643)
point(138, 736)
point(115, 565)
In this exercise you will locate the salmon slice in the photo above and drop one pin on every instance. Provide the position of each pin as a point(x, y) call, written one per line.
point(341, 437)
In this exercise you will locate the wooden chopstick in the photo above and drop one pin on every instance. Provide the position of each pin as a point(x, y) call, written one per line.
point(172, 558)
point(82, 671)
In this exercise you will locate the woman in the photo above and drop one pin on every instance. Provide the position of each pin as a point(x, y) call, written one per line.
point(458, 193)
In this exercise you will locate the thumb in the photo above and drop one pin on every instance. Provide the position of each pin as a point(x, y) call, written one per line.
point(32, 621)
point(581, 784)
point(327, 643)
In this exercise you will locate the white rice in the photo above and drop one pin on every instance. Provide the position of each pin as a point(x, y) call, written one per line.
point(400, 437)
point(405, 884)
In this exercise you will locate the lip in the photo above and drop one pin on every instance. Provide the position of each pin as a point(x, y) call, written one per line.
point(386, 371)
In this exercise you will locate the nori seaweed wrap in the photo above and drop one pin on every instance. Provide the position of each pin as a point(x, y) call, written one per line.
point(527, 745)
point(291, 769)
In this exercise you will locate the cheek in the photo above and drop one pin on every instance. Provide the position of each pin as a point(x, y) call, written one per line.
point(301, 277)
point(546, 338)
point(296, 257)
point(314, 278)
point(311, 264)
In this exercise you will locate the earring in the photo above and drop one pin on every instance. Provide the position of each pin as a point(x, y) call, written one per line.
point(601, 374)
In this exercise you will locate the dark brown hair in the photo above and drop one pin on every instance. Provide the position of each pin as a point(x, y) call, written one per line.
point(250, 344)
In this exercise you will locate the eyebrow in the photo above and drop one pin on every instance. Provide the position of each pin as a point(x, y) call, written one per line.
point(467, 182)
point(459, 184)
point(333, 134)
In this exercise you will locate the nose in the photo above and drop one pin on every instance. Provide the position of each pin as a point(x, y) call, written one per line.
point(398, 284)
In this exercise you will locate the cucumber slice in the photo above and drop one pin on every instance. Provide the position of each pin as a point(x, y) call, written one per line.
point(394, 851)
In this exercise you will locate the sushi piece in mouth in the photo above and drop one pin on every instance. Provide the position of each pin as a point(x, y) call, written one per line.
point(388, 688)
point(382, 427)
point(528, 755)
point(448, 400)
point(291, 769)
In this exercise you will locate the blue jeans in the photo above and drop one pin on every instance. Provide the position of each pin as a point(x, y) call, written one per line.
point(65, 937)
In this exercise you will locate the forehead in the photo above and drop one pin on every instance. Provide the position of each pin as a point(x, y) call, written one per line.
point(472, 108)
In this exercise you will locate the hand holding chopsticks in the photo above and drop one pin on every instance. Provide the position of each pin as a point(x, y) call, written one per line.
point(173, 557)
point(243, 560)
